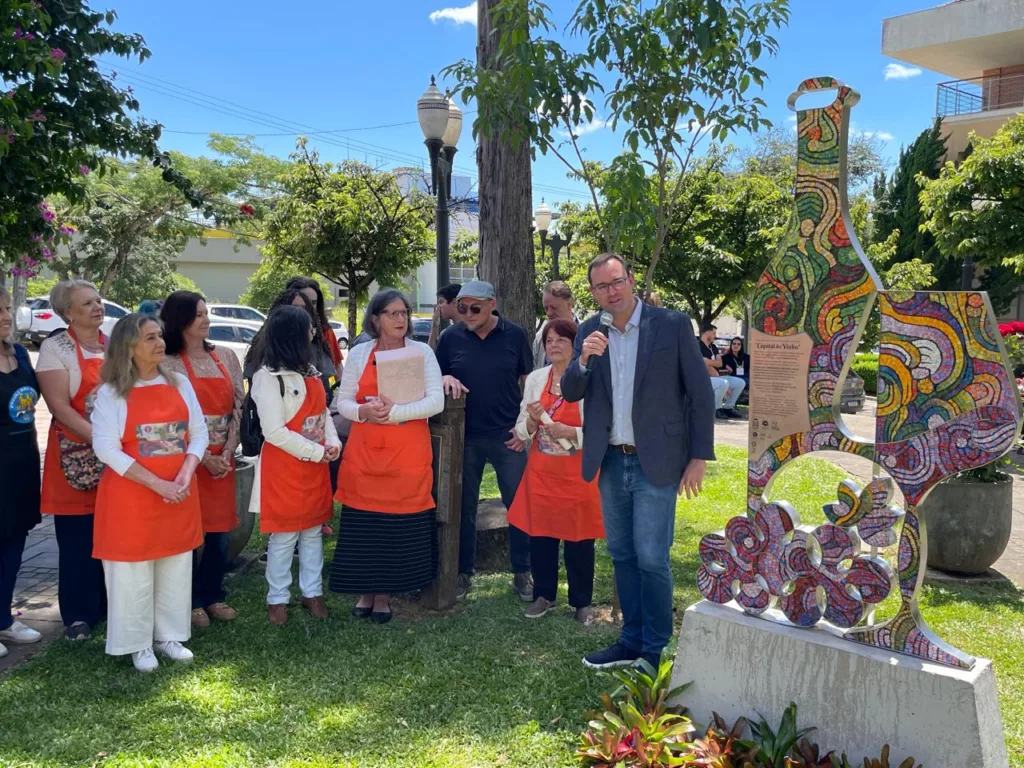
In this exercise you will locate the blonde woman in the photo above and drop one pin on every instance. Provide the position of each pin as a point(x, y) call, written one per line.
point(69, 374)
point(150, 432)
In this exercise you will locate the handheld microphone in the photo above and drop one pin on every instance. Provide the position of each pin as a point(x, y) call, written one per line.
point(606, 324)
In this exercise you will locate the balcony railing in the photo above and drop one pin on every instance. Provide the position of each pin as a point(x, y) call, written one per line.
point(980, 94)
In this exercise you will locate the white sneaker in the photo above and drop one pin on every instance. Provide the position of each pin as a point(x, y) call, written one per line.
point(145, 661)
point(173, 650)
point(19, 634)
point(3, 650)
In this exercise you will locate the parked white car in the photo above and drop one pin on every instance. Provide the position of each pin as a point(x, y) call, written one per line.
point(46, 322)
point(236, 312)
point(340, 333)
point(235, 335)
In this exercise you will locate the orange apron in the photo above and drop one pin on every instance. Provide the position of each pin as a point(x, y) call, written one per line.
point(134, 523)
point(217, 399)
point(386, 467)
point(295, 494)
point(553, 498)
point(59, 498)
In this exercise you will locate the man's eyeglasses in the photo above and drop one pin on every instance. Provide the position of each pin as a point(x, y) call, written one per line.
point(605, 287)
point(397, 314)
point(472, 309)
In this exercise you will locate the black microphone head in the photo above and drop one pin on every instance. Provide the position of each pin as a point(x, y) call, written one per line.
point(606, 319)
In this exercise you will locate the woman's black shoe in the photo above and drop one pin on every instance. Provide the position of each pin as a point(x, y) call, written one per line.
point(380, 617)
point(362, 613)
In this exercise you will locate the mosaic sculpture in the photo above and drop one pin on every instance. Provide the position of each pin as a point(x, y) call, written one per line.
point(947, 402)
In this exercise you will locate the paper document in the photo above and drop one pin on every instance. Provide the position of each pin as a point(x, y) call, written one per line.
point(400, 375)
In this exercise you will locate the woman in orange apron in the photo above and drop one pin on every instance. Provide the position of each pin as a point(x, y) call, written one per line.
point(69, 374)
point(149, 431)
point(387, 539)
point(292, 487)
point(216, 377)
point(554, 503)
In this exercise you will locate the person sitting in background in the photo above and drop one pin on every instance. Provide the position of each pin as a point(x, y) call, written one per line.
point(150, 432)
point(216, 377)
point(19, 471)
point(558, 305)
point(554, 503)
point(727, 388)
point(292, 487)
point(387, 535)
point(446, 308)
point(736, 362)
point(68, 369)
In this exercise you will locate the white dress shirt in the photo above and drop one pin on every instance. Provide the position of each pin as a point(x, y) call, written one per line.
point(622, 349)
point(110, 415)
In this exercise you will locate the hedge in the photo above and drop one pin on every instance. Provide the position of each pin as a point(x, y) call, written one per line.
point(866, 366)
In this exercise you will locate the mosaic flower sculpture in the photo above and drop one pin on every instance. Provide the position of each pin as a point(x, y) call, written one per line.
point(771, 559)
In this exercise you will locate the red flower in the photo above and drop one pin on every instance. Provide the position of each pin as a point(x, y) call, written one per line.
point(246, 210)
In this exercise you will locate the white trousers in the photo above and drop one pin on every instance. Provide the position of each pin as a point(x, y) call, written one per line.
point(279, 564)
point(727, 390)
point(148, 601)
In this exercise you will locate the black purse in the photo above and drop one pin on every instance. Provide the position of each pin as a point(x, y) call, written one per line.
point(250, 431)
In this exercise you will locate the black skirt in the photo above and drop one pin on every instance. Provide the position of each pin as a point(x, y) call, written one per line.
point(379, 552)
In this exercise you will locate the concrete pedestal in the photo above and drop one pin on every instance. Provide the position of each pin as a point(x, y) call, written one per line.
point(859, 698)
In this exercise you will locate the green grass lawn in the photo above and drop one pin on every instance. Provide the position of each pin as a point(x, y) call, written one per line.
point(479, 687)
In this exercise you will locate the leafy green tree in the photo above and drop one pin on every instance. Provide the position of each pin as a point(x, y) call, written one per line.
point(348, 223)
point(717, 253)
point(60, 119)
point(897, 203)
point(132, 224)
point(976, 210)
point(680, 71)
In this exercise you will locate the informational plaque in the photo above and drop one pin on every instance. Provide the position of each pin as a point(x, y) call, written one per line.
point(778, 388)
point(400, 374)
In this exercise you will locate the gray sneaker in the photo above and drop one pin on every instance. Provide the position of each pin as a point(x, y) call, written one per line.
point(522, 583)
point(585, 615)
point(540, 607)
point(465, 584)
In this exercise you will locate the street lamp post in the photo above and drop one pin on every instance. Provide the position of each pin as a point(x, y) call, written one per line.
point(441, 123)
point(542, 221)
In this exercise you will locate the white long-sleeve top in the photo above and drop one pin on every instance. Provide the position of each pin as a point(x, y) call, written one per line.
point(430, 404)
point(275, 412)
point(532, 391)
point(110, 415)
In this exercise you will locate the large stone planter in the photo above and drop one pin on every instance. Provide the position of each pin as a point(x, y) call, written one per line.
point(967, 524)
point(244, 473)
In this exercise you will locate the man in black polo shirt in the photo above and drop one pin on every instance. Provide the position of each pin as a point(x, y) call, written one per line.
point(488, 358)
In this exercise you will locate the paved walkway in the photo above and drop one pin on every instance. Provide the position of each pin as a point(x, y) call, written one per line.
point(1010, 565)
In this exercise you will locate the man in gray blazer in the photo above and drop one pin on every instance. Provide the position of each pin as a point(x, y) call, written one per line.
point(649, 420)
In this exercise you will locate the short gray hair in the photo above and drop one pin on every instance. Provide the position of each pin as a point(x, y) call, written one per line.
point(60, 295)
point(378, 304)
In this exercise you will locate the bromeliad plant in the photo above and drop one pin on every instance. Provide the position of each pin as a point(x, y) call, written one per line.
point(637, 727)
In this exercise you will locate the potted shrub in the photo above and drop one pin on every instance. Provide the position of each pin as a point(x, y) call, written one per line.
point(967, 519)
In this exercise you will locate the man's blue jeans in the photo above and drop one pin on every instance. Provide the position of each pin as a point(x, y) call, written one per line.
point(509, 466)
point(639, 521)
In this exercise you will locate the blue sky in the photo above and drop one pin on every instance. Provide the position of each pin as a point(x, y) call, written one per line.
point(331, 65)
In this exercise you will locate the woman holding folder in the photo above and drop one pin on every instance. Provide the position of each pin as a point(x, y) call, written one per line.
point(389, 388)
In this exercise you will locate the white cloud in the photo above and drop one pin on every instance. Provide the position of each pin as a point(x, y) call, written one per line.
point(594, 125)
point(791, 119)
point(883, 135)
point(465, 15)
point(900, 72)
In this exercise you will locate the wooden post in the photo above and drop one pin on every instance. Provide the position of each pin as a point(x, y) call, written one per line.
point(447, 437)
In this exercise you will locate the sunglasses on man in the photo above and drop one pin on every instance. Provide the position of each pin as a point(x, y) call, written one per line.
point(472, 309)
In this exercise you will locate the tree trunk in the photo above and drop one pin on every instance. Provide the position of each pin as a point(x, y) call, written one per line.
point(506, 206)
